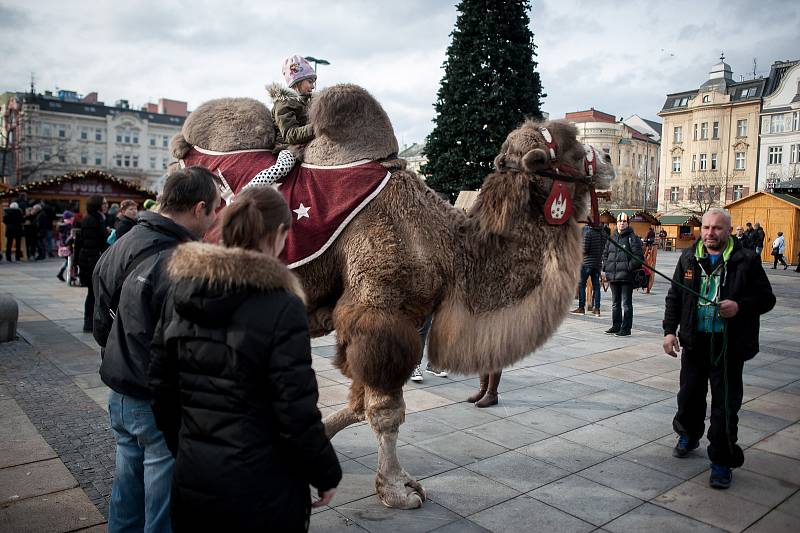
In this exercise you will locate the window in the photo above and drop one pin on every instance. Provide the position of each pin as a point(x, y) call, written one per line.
point(127, 137)
point(126, 160)
point(740, 161)
point(673, 194)
point(741, 127)
point(62, 131)
point(703, 162)
point(676, 163)
point(677, 134)
point(152, 140)
point(119, 137)
point(98, 135)
point(46, 154)
point(46, 131)
point(694, 162)
point(98, 159)
point(738, 191)
point(715, 131)
point(84, 158)
point(694, 135)
point(704, 130)
point(796, 121)
point(684, 100)
point(62, 158)
point(776, 123)
point(135, 161)
point(165, 141)
point(164, 163)
point(118, 160)
point(135, 138)
point(152, 163)
point(747, 92)
point(713, 193)
point(701, 193)
point(775, 155)
point(706, 98)
point(713, 161)
point(84, 134)
point(794, 154)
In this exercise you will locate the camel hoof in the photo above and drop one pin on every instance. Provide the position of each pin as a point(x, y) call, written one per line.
point(404, 493)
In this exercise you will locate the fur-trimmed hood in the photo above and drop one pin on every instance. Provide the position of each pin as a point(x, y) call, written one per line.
point(230, 268)
point(279, 92)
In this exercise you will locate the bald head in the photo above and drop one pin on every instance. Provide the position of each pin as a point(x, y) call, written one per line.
point(715, 230)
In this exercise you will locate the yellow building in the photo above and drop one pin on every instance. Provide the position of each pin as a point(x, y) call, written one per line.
point(709, 151)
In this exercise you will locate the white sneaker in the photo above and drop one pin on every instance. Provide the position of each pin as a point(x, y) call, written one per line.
point(438, 373)
point(416, 376)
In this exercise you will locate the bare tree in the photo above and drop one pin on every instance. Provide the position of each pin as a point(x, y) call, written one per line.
point(40, 155)
point(707, 189)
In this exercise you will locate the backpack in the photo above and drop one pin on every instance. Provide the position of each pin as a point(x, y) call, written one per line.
point(114, 304)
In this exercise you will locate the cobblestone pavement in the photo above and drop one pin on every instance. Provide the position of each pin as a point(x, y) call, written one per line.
point(580, 441)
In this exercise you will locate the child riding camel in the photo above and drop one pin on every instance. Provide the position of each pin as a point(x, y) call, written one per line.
point(290, 103)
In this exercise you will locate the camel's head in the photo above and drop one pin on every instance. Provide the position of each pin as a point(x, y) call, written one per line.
point(554, 146)
point(225, 125)
point(349, 125)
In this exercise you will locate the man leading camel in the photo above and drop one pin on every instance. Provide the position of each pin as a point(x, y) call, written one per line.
point(716, 338)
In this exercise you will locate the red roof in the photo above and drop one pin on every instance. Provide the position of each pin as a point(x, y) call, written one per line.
point(590, 115)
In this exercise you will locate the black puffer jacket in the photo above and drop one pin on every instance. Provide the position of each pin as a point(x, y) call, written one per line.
point(618, 265)
point(744, 281)
point(90, 244)
point(123, 226)
point(126, 340)
point(235, 395)
point(593, 241)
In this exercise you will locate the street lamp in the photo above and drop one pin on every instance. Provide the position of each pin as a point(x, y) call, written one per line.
point(316, 61)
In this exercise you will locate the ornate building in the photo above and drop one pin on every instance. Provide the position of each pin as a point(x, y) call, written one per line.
point(634, 150)
point(779, 154)
point(710, 148)
point(52, 134)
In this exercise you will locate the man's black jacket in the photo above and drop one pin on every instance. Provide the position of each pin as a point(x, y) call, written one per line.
point(743, 281)
point(126, 340)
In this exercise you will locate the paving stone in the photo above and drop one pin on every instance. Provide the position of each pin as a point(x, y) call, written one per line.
point(525, 514)
point(640, 424)
point(422, 400)
point(650, 517)
point(416, 461)
point(461, 448)
point(586, 499)
point(630, 478)
point(659, 457)
point(564, 454)
point(22, 443)
point(58, 512)
point(775, 522)
point(603, 439)
point(754, 487)
point(332, 521)
point(518, 471)
point(420, 426)
point(784, 442)
point(507, 433)
point(356, 441)
point(548, 421)
point(588, 410)
point(358, 482)
point(458, 391)
point(462, 526)
point(465, 492)
point(371, 515)
point(786, 411)
point(712, 506)
point(34, 479)
point(461, 415)
point(791, 505)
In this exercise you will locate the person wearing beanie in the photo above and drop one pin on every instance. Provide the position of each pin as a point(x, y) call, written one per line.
point(291, 102)
point(149, 205)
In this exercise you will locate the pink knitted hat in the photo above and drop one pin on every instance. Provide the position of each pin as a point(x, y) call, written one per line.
point(296, 69)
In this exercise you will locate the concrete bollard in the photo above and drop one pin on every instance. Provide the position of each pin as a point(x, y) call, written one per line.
point(9, 315)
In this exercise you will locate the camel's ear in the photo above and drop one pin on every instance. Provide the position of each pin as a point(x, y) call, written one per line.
point(536, 159)
point(179, 146)
point(499, 162)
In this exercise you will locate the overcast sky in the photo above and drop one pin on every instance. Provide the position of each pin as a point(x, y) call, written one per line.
point(619, 57)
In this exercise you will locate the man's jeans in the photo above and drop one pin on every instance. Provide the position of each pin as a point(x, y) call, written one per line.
point(141, 492)
point(622, 306)
point(586, 272)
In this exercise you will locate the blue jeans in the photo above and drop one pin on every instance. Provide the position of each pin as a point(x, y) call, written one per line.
point(140, 496)
point(586, 272)
point(622, 306)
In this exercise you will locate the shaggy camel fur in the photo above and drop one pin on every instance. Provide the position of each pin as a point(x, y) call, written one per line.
point(499, 281)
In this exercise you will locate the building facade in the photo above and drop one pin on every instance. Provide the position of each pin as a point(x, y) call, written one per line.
point(415, 157)
point(52, 134)
point(779, 153)
point(710, 143)
point(633, 150)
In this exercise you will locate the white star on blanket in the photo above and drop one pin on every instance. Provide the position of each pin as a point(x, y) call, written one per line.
point(302, 211)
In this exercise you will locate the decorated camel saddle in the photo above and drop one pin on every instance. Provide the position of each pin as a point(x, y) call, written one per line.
point(323, 198)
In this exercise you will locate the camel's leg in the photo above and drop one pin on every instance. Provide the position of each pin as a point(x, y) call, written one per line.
point(346, 416)
point(385, 412)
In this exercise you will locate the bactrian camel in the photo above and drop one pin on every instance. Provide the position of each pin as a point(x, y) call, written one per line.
point(498, 280)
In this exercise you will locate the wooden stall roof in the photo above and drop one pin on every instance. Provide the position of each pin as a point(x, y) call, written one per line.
point(793, 200)
point(57, 181)
point(680, 220)
point(643, 216)
point(466, 199)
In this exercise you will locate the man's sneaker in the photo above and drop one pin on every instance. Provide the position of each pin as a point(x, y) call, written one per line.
point(416, 376)
point(720, 476)
point(622, 333)
point(684, 446)
point(438, 373)
point(578, 311)
point(596, 312)
point(612, 331)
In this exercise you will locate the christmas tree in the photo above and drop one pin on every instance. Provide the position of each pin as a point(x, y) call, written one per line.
point(490, 86)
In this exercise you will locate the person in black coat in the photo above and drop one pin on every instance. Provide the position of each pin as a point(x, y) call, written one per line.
point(593, 247)
point(618, 267)
point(126, 218)
point(30, 229)
point(13, 220)
point(715, 339)
point(89, 246)
point(231, 380)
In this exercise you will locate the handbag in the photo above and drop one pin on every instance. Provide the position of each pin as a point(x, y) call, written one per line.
point(64, 251)
point(776, 251)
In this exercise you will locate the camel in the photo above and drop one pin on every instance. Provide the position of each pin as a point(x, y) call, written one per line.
point(498, 281)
